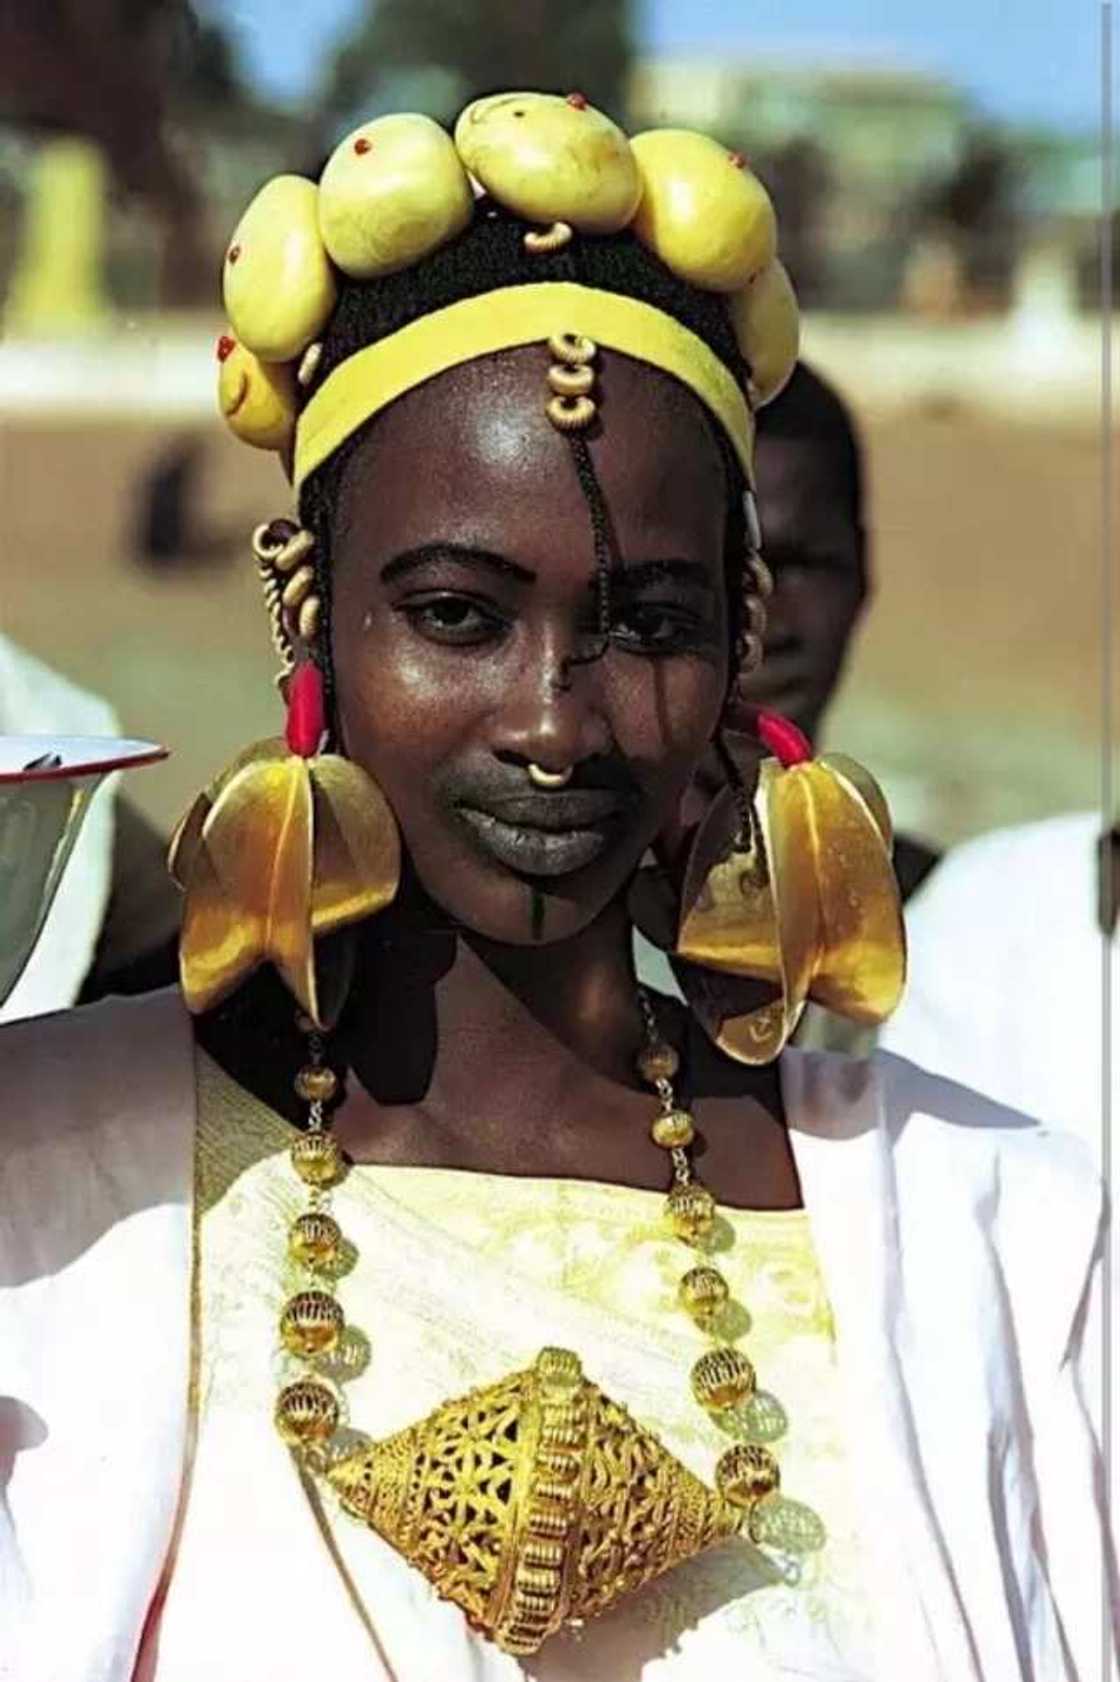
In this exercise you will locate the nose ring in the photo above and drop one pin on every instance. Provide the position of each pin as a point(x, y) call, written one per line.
point(549, 779)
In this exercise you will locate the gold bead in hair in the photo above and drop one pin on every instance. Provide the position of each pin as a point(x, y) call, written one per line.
point(756, 617)
point(575, 348)
point(298, 588)
point(297, 548)
point(540, 241)
point(761, 576)
point(571, 414)
point(570, 380)
point(309, 364)
point(752, 652)
point(310, 618)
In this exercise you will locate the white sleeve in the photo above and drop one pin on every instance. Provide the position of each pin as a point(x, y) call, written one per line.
point(945, 1021)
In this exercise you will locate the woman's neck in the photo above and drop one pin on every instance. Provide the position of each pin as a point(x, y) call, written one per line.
point(441, 1020)
point(511, 1060)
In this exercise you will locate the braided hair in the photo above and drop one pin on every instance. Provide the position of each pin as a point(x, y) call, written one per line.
point(491, 254)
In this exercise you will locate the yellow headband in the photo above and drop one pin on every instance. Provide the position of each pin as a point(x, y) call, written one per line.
point(500, 320)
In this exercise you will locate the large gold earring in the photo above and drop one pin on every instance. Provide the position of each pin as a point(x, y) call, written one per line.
point(287, 845)
point(789, 897)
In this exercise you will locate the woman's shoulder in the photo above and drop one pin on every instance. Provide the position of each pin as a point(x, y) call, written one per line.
point(99, 1113)
point(84, 1067)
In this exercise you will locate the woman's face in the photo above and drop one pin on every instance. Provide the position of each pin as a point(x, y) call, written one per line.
point(464, 582)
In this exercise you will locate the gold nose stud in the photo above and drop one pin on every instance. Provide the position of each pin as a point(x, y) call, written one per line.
point(549, 779)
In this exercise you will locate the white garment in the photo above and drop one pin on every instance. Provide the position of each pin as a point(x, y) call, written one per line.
point(34, 700)
point(958, 1340)
point(1006, 974)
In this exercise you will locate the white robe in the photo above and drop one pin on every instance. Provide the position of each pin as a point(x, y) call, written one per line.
point(960, 1245)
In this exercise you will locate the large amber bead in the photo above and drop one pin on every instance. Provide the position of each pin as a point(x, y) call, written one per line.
point(691, 1211)
point(745, 1473)
point(704, 1294)
point(767, 326)
point(551, 159)
point(277, 282)
point(306, 1412)
point(315, 1239)
point(257, 399)
point(392, 192)
point(311, 1324)
point(722, 1379)
point(317, 1158)
point(703, 212)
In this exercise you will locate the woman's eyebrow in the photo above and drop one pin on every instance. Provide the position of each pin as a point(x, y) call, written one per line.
point(461, 555)
point(696, 573)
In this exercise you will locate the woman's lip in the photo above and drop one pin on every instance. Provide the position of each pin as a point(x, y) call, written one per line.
point(534, 852)
point(561, 810)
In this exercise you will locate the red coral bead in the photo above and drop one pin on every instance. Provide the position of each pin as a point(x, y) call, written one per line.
point(783, 738)
point(225, 347)
point(362, 145)
point(234, 253)
point(306, 712)
point(578, 101)
point(737, 160)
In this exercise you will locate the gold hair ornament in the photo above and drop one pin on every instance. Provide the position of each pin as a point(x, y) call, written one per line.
point(543, 241)
point(283, 552)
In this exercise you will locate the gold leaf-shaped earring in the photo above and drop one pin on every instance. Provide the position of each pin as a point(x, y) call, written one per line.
point(287, 845)
point(794, 900)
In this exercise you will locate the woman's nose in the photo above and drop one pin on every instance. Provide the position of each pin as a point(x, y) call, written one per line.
point(552, 714)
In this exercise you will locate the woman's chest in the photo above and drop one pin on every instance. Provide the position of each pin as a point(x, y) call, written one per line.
point(453, 1282)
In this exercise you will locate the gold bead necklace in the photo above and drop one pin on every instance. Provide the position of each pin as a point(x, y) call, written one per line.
point(310, 1410)
point(723, 1380)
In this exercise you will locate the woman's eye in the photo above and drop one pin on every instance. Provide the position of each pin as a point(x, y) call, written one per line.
point(657, 628)
point(453, 619)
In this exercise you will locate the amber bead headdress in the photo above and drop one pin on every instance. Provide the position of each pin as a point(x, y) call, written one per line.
point(400, 188)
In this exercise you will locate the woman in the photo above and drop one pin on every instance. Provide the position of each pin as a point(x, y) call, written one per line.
point(427, 1161)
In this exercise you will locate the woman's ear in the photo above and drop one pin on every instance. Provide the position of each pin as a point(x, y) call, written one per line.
point(740, 756)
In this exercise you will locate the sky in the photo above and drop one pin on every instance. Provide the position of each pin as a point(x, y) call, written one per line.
point(1023, 60)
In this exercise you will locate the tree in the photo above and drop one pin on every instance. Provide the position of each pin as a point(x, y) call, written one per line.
point(115, 71)
point(438, 54)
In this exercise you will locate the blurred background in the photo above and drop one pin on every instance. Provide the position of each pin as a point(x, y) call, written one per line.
point(938, 180)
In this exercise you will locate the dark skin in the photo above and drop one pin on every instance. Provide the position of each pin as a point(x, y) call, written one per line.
point(493, 1023)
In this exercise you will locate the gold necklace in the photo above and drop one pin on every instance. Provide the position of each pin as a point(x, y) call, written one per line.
point(537, 1501)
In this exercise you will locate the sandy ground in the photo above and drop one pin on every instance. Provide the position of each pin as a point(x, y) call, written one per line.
point(974, 690)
